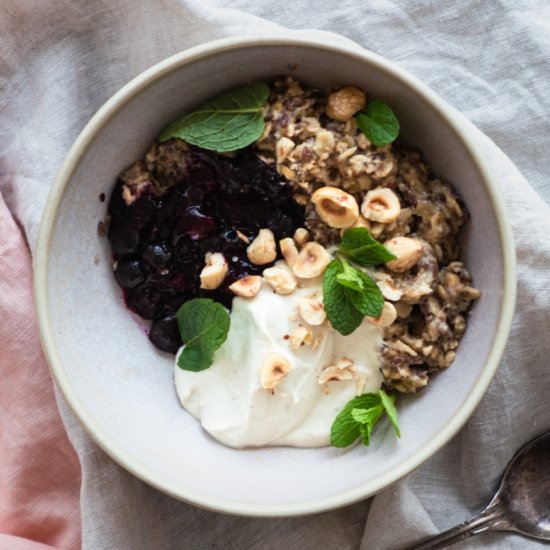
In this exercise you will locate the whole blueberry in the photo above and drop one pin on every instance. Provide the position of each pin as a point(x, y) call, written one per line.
point(157, 254)
point(129, 273)
point(165, 334)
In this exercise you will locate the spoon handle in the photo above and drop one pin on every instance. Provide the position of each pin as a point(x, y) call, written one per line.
point(484, 521)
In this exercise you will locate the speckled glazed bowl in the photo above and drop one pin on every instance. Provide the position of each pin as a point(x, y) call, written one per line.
point(121, 387)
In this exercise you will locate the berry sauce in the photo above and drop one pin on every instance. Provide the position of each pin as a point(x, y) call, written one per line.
point(159, 242)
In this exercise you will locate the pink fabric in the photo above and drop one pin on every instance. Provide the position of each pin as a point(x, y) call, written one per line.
point(39, 469)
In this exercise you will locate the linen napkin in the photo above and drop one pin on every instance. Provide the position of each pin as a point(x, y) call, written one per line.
point(61, 60)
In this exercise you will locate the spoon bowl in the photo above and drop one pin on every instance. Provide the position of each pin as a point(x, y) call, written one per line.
point(521, 504)
point(525, 489)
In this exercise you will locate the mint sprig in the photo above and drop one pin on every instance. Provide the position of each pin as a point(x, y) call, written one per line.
point(227, 123)
point(359, 246)
point(359, 417)
point(203, 326)
point(378, 122)
point(341, 312)
point(348, 292)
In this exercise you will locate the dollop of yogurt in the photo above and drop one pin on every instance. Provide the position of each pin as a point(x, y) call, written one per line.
point(236, 410)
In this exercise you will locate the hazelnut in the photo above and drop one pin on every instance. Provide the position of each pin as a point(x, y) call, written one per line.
point(386, 317)
point(345, 102)
point(333, 374)
point(280, 279)
point(214, 272)
point(389, 290)
point(381, 205)
point(311, 310)
point(262, 249)
point(336, 208)
point(311, 261)
point(407, 252)
point(273, 371)
point(283, 148)
point(301, 236)
point(247, 287)
point(288, 250)
point(300, 335)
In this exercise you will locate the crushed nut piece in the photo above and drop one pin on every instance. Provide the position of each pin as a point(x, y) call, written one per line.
point(247, 287)
point(214, 272)
point(262, 250)
point(280, 279)
point(274, 370)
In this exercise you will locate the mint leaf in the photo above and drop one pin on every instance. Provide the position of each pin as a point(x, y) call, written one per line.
point(229, 122)
point(359, 246)
point(349, 277)
point(359, 417)
point(370, 300)
point(345, 429)
point(341, 313)
point(203, 326)
point(378, 122)
point(388, 401)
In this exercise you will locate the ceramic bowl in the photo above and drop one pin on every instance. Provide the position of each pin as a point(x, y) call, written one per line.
point(121, 388)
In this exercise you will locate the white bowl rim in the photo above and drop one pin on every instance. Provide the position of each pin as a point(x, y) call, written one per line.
point(40, 263)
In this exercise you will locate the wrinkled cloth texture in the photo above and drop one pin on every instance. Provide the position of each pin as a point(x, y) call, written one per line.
point(60, 60)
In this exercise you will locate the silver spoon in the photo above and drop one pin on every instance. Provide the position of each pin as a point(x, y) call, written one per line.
point(521, 504)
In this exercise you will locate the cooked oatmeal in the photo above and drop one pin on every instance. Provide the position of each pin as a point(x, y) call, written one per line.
point(433, 297)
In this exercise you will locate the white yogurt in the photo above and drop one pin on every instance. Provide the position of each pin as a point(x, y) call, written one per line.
point(232, 405)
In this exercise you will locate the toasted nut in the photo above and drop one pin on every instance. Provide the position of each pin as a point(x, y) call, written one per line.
point(301, 236)
point(345, 102)
point(280, 279)
point(335, 207)
point(262, 250)
point(300, 335)
point(401, 346)
point(311, 310)
point(273, 371)
point(386, 318)
point(334, 373)
point(324, 143)
point(376, 229)
point(311, 261)
point(389, 290)
point(407, 252)
point(288, 250)
point(243, 237)
point(283, 148)
point(360, 385)
point(381, 205)
point(344, 363)
point(247, 287)
point(214, 272)
point(403, 310)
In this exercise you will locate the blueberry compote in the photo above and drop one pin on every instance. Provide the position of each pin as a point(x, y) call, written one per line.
point(159, 242)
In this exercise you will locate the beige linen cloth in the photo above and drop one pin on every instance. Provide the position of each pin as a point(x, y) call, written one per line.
point(60, 60)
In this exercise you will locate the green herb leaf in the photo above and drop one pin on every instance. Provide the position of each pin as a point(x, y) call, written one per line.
point(370, 300)
point(359, 246)
point(367, 418)
point(341, 313)
point(203, 326)
point(359, 417)
point(378, 122)
point(388, 401)
point(229, 122)
point(345, 429)
point(349, 277)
